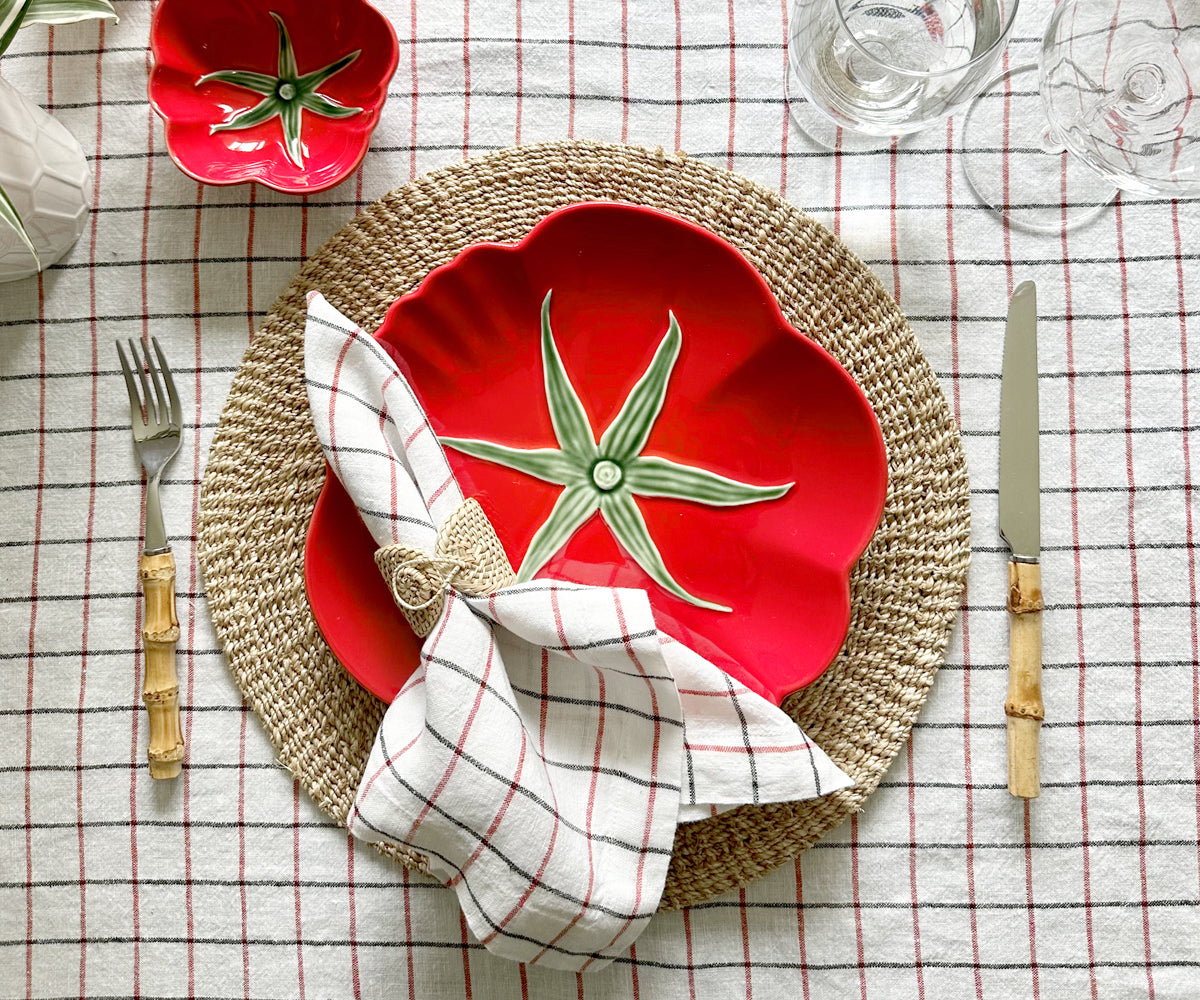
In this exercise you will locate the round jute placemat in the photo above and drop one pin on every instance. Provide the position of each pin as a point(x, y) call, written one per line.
point(265, 470)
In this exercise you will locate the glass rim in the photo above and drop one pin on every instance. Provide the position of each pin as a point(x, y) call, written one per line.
point(1000, 41)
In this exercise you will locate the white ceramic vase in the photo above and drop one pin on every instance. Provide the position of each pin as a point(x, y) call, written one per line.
point(44, 172)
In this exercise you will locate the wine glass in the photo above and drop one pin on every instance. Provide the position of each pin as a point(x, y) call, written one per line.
point(1110, 105)
point(883, 68)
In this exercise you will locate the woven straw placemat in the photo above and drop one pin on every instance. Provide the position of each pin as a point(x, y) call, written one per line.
point(265, 470)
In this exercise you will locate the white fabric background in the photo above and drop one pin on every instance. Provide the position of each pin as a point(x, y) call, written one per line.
point(229, 883)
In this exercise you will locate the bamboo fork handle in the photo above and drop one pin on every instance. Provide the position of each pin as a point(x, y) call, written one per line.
point(1023, 707)
point(160, 689)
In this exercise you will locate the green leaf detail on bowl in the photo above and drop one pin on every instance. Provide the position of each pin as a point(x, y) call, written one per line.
point(608, 475)
point(286, 95)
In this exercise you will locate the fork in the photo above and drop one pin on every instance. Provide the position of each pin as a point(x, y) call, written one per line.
point(155, 417)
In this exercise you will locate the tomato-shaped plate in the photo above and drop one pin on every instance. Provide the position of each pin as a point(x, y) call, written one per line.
point(749, 398)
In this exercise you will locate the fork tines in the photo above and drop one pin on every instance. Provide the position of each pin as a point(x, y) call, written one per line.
point(150, 408)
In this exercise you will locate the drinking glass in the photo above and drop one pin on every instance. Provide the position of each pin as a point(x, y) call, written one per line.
point(1112, 104)
point(883, 68)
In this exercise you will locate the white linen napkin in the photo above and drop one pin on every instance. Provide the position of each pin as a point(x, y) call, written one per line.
point(552, 737)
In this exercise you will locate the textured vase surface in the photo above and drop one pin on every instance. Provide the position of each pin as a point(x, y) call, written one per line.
point(44, 172)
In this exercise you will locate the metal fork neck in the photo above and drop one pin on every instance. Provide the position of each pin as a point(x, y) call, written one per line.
point(156, 533)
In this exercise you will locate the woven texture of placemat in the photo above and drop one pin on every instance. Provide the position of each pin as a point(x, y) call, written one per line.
point(266, 469)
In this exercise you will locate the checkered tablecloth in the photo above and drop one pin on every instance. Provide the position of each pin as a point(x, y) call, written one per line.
point(229, 883)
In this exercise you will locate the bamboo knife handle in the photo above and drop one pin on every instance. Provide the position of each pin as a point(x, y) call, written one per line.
point(160, 690)
point(1023, 706)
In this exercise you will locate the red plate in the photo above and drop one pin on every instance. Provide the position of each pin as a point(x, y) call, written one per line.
point(749, 398)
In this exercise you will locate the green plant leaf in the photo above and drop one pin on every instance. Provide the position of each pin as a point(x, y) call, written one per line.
point(287, 55)
point(567, 414)
point(8, 214)
point(620, 512)
point(260, 83)
point(263, 111)
point(630, 428)
point(319, 104)
point(67, 11)
point(650, 476)
point(548, 464)
point(12, 14)
point(311, 81)
point(574, 506)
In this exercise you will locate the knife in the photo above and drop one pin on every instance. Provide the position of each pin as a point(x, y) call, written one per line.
point(1020, 527)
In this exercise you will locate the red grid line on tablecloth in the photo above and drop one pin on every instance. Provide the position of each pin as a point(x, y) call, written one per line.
point(893, 222)
point(241, 863)
point(836, 221)
point(410, 964)
point(732, 86)
point(79, 714)
point(466, 58)
point(787, 117)
point(856, 903)
point(1135, 593)
point(135, 909)
point(964, 615)
point(624, 70)
point(747, 963)
point(296, 888)
point(188, 630)
point(678, 76)
point(1069, 343)
point(304, 201)
point(689, 953)
point(249, 262)
point(571, 69)
point(88, 551)
point(412, 47)
point(804, 985)
point(912, 873)
point(1188, 488)
point(33, 608)
point(1033, 960)
point(1010, 284)
point(464, 940)
point(519, 68)
point(188, 691)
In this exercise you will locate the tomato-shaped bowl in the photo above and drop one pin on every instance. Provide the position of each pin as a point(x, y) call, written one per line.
point(749, 398)
point(322, 68)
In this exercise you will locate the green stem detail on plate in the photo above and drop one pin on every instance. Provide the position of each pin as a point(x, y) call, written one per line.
point(606, 476)
point(286, 95)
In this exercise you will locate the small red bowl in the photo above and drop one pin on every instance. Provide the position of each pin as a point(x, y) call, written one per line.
point(191, 40)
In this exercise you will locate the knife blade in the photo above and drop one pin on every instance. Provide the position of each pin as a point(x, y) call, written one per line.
point(1020, 527)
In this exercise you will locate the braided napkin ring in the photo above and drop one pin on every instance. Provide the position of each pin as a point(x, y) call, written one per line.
point(466, 556)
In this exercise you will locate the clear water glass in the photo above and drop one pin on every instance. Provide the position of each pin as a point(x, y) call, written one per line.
point(1119, 87)
point(1113, 102)
point(888, 67)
